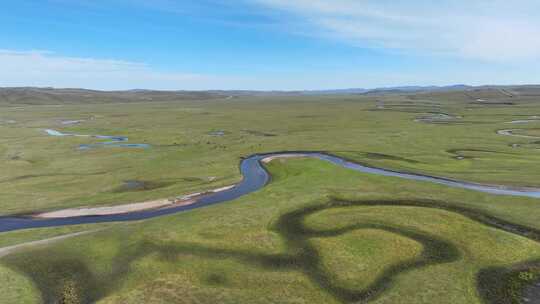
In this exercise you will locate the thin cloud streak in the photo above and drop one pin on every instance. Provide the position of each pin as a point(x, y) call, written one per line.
point(42, 68)
point(480, 30)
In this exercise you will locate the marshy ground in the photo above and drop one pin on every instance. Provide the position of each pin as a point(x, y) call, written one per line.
point(317, 234)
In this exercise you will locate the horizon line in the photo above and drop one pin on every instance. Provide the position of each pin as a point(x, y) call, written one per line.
point(419, 87)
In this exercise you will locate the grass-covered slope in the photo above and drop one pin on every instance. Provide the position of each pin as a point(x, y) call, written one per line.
point(316, 234)
point(50, 96)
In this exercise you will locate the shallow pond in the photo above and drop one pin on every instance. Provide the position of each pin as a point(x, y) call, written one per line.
point(115, 141)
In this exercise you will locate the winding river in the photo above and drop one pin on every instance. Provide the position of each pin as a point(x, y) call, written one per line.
point(255, 177)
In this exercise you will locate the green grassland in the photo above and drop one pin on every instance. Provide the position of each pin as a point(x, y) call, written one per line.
point(294, 241)
point(185, 157)
point(316, 234)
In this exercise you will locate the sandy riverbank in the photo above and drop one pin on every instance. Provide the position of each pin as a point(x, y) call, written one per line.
point(184, 200)
point(271, 158)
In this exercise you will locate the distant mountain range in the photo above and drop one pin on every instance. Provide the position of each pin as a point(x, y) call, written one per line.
point(33, 95)
point(382, 90)
point(387, 90)
point(38, 96)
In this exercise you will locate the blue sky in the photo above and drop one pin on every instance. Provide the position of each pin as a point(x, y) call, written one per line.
point(267, 44)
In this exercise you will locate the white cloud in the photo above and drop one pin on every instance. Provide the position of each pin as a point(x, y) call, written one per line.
point(489, 30)
point(41, 68)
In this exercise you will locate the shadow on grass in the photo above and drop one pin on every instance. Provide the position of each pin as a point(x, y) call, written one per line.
point(65, 278)
point(505, 285)
point(60, 276)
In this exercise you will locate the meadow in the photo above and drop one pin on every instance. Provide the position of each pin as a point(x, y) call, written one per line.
point(316, 234)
